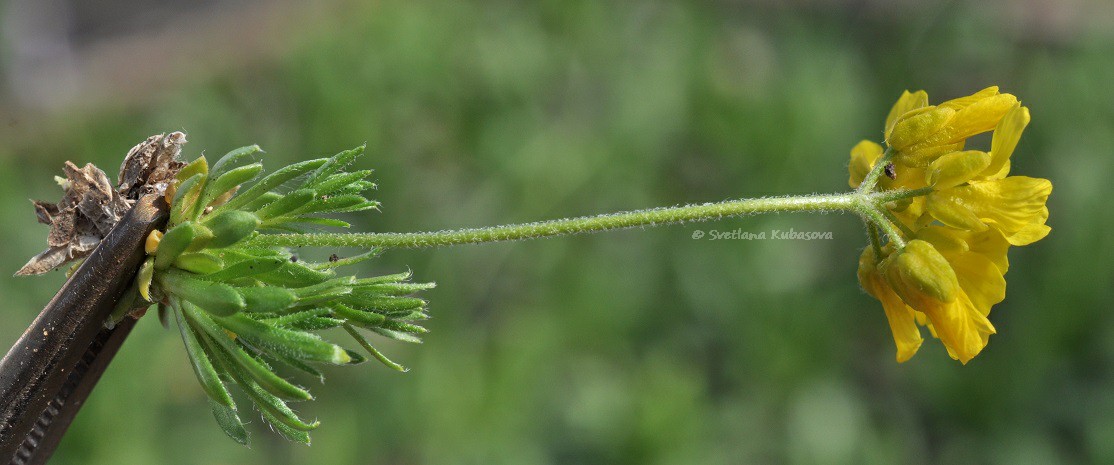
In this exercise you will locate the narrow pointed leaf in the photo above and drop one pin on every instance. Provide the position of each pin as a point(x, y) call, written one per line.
point(202, 367)
point(272, 181)
point(295, 344)
point(230, 422)
point(372, 350)
point(262, 374)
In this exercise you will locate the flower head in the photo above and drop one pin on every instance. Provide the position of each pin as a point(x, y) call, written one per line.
point(946, 267)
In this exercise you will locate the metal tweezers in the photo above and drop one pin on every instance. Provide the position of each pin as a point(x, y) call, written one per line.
point(50, 371)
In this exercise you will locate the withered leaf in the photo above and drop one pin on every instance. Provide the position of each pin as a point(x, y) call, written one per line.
point(91, 206)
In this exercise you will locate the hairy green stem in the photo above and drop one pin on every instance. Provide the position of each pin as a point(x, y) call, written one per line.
point(876, 217)
point(875, 241)
point(867, 205)
point(569, 226)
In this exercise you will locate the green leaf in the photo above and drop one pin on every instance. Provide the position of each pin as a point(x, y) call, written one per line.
point(270, 182)
point(295, 275)
point(290, 433)
point(261, 373)
point(231, 227)
point(297, 365)
point(273, 408)
point(267, 299)
point(230, 422)
point(397, 335)
point(347, 261)
point(262, 201)
point(364, 300)
point(199, 262)
point(286, 204)
point(295, 344)
point(327, 204)
point(183, 208)
point(247, 268)
point(340, 180)
point(334, 164)
point(124, 305)
point(372, 350)
point(288, 320)
point(198, 166)
point(202, 367)
point(232, 160)
point(357, 317)
point(396, 289)
point(331, 222)
point(402, 327)
point(228, 181)
point(387, 278)
point(216, 298)
point(173, 243)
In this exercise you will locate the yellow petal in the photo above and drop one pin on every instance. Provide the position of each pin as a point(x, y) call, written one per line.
point(956, 168)
point(908, 101)
point(979, 278)
point(920, 155)
point(1015, 205)
point(991, 244)
point(945, 240)
point(863, 156)
point(1006, 135)
point(1001, 173)
point(907, 338)
point(961, 327)
point(963, 102)
point(1030, 233)
point(947, 207)
point(978, 117)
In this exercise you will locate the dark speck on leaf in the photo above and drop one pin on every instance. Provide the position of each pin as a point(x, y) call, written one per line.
point(333, 258)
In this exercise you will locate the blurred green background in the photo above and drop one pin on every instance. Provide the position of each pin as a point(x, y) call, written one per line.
point(640, 347)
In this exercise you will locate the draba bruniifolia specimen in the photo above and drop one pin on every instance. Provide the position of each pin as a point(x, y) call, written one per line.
point(939, 217)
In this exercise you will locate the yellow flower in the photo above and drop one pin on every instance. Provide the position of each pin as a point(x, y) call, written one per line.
point(945, 263)
point(925, 133)
point(944, 283)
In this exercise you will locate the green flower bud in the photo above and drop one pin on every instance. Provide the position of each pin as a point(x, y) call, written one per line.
point(921, 276)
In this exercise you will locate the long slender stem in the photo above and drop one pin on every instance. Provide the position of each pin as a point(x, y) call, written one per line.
point(568, 226)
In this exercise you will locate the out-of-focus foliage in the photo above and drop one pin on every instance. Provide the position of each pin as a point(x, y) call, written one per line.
point(638, 346)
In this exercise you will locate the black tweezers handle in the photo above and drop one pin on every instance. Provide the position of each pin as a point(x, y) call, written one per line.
point(48, 373)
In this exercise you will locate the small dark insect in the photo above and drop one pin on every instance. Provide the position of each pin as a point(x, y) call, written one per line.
point(294, 258)
point(333, 258)
point(891, 171)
